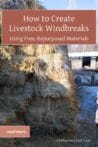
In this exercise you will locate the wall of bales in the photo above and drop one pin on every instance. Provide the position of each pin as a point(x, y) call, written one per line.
point(35, 81)
point(36, 86)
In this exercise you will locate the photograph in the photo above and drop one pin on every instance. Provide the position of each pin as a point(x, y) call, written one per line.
point(48, 73)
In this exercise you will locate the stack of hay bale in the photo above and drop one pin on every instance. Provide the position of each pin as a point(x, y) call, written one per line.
point(36, 87)
point(35, 80)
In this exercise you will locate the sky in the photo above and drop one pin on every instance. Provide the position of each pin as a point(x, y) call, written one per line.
point(70, 4)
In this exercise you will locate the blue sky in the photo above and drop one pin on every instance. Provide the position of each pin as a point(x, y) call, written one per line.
point(67, 4)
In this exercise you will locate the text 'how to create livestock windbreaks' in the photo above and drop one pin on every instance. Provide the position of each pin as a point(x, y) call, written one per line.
point(48, 27)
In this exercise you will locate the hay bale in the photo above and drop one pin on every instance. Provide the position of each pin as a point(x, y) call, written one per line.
point(51, 86)
point(40, 81)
